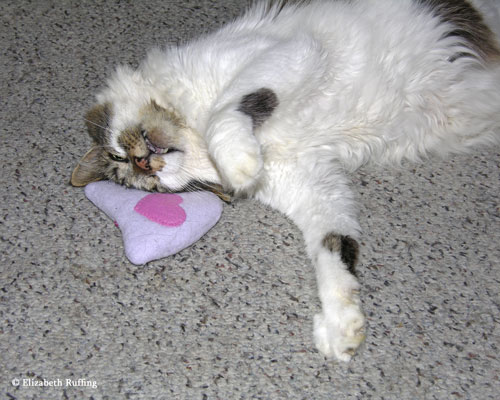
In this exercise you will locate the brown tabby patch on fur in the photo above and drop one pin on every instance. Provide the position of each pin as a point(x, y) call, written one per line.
point(468, 25)
point(90, 168)
point(97, 121)
point(132, 141)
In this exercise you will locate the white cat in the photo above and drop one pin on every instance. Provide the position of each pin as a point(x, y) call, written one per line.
point(280, 103)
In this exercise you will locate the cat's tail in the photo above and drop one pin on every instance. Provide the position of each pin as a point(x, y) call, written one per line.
point(490, 11)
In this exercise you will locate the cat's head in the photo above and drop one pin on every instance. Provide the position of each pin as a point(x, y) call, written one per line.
point(147, 146)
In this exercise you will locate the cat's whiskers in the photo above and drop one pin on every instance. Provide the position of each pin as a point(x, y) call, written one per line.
point(98, 125)
point(193, 184)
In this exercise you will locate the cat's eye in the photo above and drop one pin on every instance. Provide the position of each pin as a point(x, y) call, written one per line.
point(170, 150)
point(114, 157)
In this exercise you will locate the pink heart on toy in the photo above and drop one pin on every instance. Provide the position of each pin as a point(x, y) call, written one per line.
point(162, 208)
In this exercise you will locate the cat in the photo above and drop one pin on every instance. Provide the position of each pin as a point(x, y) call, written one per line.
point(282, 103)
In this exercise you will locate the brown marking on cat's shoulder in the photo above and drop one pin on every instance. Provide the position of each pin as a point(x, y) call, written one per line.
point(279, 5)
point(467, 24)
point(346, 246)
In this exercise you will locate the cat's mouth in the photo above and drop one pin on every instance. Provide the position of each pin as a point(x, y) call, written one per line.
point(154, 148)
point(154, 143)
point(157, 144)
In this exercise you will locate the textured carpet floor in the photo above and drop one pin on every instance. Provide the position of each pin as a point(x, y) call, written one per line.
point(231, 316)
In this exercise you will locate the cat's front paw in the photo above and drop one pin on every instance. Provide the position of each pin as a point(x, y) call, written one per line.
point(240, 166)
point(339, 330)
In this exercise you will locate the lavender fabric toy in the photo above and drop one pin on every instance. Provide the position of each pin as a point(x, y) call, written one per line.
point(155, 225)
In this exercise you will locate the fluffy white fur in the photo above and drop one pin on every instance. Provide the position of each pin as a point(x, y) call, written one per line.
point(357, 81)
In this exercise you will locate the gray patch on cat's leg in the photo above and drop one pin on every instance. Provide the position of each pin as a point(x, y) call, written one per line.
point(346, 246)
point(259, 105)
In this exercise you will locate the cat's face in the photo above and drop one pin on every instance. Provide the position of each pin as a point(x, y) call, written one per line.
point(151, 149)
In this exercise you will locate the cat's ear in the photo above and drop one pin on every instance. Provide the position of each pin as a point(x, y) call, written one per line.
point(89, 169)
point(97, 121)
point(156, 107)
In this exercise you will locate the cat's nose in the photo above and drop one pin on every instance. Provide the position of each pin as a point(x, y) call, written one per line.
point(142, 163)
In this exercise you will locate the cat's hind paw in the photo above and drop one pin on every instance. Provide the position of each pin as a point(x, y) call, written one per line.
point(339, 333)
